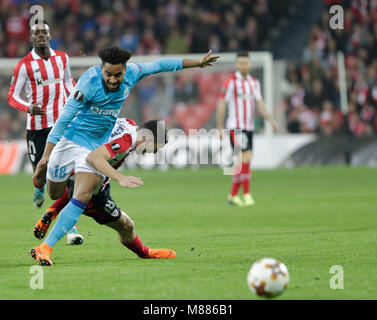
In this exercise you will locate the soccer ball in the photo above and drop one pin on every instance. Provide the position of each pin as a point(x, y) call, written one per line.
point(268, 277)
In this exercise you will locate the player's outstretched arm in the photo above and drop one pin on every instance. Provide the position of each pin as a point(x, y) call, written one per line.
point(142, 70)
point(207, 60)
point(99, 158)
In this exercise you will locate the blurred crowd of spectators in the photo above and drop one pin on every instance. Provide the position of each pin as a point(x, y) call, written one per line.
point(142, 26)
point(81, 27)
point(313, 104)
point(12, 121)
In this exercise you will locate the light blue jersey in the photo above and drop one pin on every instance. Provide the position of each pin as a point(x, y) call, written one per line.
point(91, 110)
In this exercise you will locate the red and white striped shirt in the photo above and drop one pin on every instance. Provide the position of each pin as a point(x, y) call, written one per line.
point(121, 141)
point(47, 83)
point(241, 95)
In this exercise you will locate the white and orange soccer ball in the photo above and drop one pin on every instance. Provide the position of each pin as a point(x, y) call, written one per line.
point(268, 277)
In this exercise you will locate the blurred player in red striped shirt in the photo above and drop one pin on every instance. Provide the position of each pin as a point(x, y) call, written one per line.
point(241, 93)
point(45, 76)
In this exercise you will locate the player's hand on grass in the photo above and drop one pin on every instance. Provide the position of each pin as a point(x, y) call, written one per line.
point(208, 59)
point(130, 182)
point(36, 110)
point(40, 172)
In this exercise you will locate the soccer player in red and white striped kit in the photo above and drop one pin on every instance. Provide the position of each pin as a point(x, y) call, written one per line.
point(45, 75)
point(241, 93)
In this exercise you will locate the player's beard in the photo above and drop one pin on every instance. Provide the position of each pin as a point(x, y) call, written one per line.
point(112, 87)
point(43, 51)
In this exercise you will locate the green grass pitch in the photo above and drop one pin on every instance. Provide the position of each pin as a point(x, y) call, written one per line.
point(309, 218)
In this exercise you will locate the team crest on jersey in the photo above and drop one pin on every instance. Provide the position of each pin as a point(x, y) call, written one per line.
point(115, 146)
point(115, 213)
point(79, 96)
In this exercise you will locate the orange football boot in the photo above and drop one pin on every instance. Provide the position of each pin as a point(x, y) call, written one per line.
point(41, 227)
point(42, 254)
point(161, 254)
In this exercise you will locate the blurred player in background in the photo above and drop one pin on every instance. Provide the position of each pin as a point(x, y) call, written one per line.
point(45, 76)
point(240, 93)
point(125, 138)
point(86, 123)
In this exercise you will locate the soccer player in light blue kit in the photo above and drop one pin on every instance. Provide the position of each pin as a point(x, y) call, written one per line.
point(86, 123)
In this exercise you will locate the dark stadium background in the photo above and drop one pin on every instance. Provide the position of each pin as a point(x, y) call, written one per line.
point(295, 31)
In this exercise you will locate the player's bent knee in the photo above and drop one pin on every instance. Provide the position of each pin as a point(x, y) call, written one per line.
point(83, 197)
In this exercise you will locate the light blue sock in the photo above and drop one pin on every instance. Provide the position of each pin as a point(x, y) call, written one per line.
point(67, 219)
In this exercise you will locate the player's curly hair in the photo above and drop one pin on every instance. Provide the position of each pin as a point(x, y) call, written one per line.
point(114, 55)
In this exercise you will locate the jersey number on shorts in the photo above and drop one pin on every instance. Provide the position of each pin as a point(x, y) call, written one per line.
point(109, 206)
point(59, 172)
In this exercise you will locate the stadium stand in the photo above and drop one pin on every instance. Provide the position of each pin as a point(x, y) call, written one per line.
point(313, 104)
point(81, 27)
point(147, 27)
